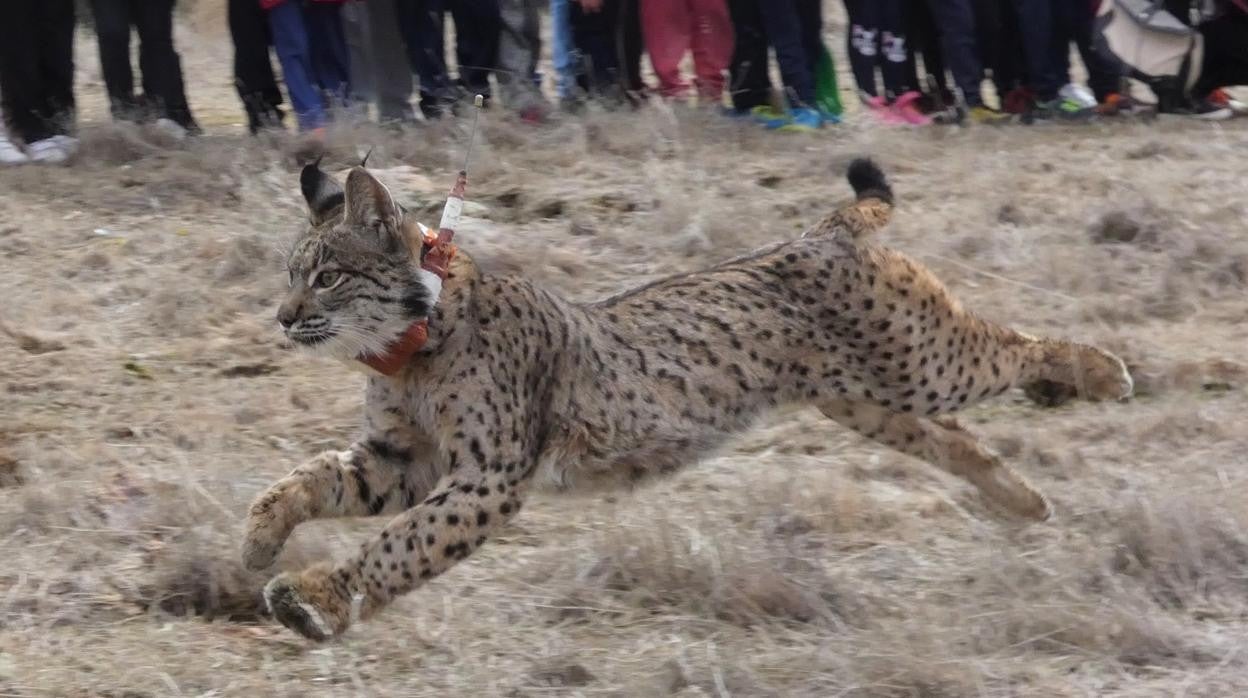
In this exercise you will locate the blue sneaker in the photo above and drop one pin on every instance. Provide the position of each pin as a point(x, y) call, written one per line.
point(770, 118)
point(803, 119)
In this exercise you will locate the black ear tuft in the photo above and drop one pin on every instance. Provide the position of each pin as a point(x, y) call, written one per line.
point(364, 162)
point(868, 181)
point(322, 193)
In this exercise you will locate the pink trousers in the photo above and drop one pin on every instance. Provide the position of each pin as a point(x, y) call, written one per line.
point(672, 28)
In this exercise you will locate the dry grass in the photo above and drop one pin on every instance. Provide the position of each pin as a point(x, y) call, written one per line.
point(147, 399)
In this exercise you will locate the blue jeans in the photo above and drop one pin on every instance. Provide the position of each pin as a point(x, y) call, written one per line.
point(563, 52)
point(312, 49)
point(794, 30)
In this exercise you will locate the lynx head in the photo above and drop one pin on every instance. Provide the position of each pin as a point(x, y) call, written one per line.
point(356, 284)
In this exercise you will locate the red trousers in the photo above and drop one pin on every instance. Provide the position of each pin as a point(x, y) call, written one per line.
point(672, 28)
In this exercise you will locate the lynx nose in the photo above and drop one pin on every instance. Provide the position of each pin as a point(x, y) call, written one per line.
point(287, 314)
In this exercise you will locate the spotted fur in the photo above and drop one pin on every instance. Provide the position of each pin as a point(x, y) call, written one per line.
point(517, 386)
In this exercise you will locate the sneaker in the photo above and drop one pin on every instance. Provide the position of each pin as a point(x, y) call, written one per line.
point(47, 152)
point(534, 115)
point(1018, 101)
point(803, 119)
point(769, 117)
point(1078, 95)
point(882, 110)
point(10, 154)
point(68, 143)
point(907, 111)
point(1114, 104)
point(987, 116)
point(1062, 109)
point(1208, 110)
point(1223, 98)
point(172, 129)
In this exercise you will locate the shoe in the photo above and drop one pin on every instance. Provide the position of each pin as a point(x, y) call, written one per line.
point(1115, 104)
point(1079, 95)
point(906, 109)
point(47, 152)
point(1061, 109)
point(68, 143)
point(1208, 110)
point(1223, 98)
point(803, 119)
point(987, 116)
point(534, 115)
point(882, 110)
point(172, 129)
point(769, 117)
point(1018, 101)
point(10, 154)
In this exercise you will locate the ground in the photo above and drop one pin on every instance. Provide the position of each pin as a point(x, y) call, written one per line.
point(148, 397)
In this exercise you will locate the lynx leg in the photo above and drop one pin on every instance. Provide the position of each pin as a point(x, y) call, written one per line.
point(943, 443)
point(349, 483)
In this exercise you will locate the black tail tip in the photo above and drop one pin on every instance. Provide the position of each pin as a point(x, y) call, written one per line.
point(868, 180)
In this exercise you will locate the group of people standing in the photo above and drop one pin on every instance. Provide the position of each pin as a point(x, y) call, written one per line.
point(339, 56)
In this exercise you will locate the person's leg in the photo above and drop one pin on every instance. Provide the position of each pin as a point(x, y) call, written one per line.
point(1104, 72)
point(667, 27)
point(112, 32)
point(1046, 69)
point(421, 22)
point(357, 32)
point(562, 48)
point(478, 24)
point(392, 74)
point(327, 44)
point(863, 43)
point(55, 31)
point(712, 47)
point(519, 47)
point(159, 61)
point(593, 33)
point(955, 20)
point(290, 40)
point(1226, 54)
point(21, 85)
point(785, 33)
point(628, 44)
point(253, 72)
point(896, 58)
point(926, 40)
point(751, 85)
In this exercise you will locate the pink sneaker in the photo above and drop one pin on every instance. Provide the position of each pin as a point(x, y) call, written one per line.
point(883, 111)
point(907, 111)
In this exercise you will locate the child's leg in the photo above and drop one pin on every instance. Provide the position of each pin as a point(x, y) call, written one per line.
point(668, 27)
point(290, 40)
point(896, 59)
point(712, 46)
point(863, 43)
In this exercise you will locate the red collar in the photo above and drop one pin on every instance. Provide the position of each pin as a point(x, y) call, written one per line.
point(435, 258)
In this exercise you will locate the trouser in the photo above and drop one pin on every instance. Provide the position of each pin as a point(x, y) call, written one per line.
point(562, 50)
point(1074, 22)
point(794, 30)
point(751, 83)
point(37, 67)
point(519, 48)
point(998, 33)
point(955, 20)
point(924, 37)
point(609, 42)
point(161, 68)
point(477, 24)
point(379, 67)
point(253, 71)
point(1226, 53)
point(672, 28)
point(312, 49)
point(877, 37)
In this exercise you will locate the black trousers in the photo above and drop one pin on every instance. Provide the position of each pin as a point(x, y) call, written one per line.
point(1226, 53)
point(163, 91)
point(37, 67)
point(749, 83)
point(610, 43)
point(253, 70)
point(477, 25)
point(877, 38)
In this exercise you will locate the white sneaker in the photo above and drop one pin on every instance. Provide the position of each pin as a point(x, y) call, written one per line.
point(10, 154)
point(68, 143)
point(171, 128)
point(1079, 95)
point(47, 152)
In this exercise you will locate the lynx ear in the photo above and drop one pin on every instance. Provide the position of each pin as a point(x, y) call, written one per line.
point(322, 193)
point(369, 201)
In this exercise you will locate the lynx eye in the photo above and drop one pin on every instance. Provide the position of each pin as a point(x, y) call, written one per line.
point(326, 279)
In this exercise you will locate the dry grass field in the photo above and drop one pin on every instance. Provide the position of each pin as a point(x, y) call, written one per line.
point(147, 397)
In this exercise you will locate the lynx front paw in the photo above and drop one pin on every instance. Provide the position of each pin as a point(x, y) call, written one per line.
point(308, 603)
point(266, 533)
